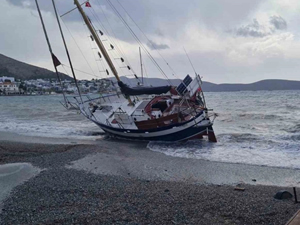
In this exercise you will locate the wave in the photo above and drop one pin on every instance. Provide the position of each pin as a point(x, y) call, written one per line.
point(288, 106)
point(241, 148)
point(295, 138)
point(239, 137)
point(293, 129)
point(224, 117)
point(259, 116)
point(51, 129)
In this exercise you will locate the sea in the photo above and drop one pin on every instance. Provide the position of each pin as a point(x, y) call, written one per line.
point(252, 127)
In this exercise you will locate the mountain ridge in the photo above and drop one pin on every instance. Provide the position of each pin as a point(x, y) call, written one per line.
point(268, 85)
point(20, 70)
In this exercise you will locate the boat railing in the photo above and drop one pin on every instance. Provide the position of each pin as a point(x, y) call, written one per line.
point(109, 124)
point(120, 111)
point(89, 99)
point(120, 125)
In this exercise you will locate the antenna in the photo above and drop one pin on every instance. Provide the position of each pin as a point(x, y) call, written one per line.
point(190, 61)
point(141, 65)
point(197, 77)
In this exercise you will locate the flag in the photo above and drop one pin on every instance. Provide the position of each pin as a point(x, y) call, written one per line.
point(56, 62)
point(87, 4)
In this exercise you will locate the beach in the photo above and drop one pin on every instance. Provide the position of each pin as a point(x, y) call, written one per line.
point(120, 182)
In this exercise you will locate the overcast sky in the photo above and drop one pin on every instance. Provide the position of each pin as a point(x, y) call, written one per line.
point(228, 41)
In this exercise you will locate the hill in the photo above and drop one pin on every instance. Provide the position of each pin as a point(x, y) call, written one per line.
point(19, 70)
point(270, 85)
point(14, 68)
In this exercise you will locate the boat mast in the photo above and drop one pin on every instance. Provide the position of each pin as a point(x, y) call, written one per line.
point(141, 66)
point(67, 51)
point(51, 52)
point(100, 45)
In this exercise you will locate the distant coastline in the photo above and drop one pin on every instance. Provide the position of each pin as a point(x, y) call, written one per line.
point(22, 71)
point(263, 85)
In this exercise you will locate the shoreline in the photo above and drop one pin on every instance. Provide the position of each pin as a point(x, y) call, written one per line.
point(229, 173)
point(19, 138)
point(126, 183)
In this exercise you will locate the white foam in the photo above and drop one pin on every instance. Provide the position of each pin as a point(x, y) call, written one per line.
point(253, 152)
point(53, 129)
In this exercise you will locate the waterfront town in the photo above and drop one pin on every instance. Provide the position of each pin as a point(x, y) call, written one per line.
point(12, 86)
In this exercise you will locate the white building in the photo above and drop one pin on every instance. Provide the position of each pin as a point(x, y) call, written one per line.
point(8, 86)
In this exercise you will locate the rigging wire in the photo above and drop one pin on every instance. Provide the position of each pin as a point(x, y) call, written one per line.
point(118, 48)
point(79, 48)
point(63, 66)
point(81, 71)
point(137, 39)
point(84, 37)
point(190, 61)
point(55, 64)
point(67, 50)
point(91, 46)
point(197, 77)
point(110, 44)
point(173, 72)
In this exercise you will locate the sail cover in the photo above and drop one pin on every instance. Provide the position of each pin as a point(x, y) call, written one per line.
point(143, 90)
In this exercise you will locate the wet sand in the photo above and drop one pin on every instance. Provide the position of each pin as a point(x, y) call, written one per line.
point(109, 182)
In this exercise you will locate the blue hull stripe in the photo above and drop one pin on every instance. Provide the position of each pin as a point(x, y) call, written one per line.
point(177, 136)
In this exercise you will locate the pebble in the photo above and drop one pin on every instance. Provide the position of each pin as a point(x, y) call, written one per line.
point(66, 196)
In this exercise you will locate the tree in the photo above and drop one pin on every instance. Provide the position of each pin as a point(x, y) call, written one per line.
point(23, 87)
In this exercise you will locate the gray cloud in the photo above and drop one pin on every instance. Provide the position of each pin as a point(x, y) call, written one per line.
point(159, 32)
point(253, 29)
point(278, 22)
point(167, 23)
point(152, 45)
point(47, 6)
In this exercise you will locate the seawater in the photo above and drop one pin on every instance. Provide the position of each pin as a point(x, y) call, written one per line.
point(255, 127)
point(43, 116)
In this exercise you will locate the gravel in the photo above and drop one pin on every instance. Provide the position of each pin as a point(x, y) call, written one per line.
point(66, 196)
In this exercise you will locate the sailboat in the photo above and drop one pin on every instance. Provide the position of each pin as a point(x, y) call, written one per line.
point(164, 113)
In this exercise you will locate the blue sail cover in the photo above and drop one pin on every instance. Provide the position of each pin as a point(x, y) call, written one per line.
point(143, 90)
